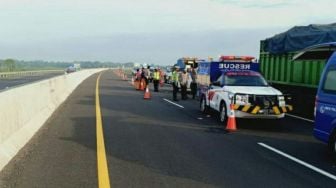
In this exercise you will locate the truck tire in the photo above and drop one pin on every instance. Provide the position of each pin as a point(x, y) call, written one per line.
point(332, 144)
point(222, 117)
point(203, 106)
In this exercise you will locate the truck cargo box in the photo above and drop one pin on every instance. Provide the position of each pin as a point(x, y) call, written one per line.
point(277, 52)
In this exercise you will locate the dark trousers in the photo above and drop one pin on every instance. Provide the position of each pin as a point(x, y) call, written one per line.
point(193, 87)
point(184, 92)
point(146, 80)
point(175, 90)
point(156, 85)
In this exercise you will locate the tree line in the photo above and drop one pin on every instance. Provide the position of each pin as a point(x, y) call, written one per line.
point(12, 65)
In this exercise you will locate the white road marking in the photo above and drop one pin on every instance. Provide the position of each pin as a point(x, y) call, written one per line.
point(298, 161)
point(298, 117)
point(173, 103)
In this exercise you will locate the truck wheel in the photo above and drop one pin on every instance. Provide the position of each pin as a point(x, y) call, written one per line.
point(203, 106)
point(332, 144)
point(222, 113)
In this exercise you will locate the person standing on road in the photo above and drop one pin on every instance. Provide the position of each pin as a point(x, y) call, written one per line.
point(184, 81)
point(138, 75)
point(193, 85)
point(176, 83)
point(161, 77)
point(156, 80)
point(145, 75)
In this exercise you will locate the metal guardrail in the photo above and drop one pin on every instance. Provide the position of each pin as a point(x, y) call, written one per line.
point(9, 75)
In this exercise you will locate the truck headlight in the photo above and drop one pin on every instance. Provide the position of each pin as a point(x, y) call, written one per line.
point(242, 99)
point(231, 95)
point(282, 101)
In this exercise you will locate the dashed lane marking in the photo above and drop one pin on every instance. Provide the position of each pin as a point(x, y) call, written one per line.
point(103, 174)
point(298, 161)
point(298, 117)
point(173, 103)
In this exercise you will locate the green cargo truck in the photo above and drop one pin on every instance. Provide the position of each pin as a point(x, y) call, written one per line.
point(280, 69)
point(299, 78)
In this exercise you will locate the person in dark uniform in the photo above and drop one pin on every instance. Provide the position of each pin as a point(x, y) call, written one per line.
point(156, 80)
point(193, 85)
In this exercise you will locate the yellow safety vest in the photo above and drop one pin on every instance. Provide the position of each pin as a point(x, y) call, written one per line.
point(175, 76)
point(156, 76)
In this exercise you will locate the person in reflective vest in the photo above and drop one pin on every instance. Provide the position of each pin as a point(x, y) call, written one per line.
point(176, 83)
point(156, 80)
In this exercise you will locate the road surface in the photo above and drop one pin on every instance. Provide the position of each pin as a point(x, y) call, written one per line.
point(7, 83)
point(155, 143)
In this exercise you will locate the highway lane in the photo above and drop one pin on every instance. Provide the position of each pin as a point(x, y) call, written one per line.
point(7, 83)
point(153, 143)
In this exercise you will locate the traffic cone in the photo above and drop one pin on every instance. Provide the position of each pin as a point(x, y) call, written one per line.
point(147, 94)
point(231, 123)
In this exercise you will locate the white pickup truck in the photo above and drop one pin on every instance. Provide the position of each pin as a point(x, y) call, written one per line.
point(249, 93)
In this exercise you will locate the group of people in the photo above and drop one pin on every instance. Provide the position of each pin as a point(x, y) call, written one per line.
point(180, 79)
point(146, 74)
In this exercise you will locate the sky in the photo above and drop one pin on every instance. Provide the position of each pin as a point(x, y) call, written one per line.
point(148, 31)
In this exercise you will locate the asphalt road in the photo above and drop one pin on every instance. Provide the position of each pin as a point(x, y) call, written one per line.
point(7, 83)
point(153, 143)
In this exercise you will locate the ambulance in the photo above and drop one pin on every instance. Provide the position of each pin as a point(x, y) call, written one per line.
point(236, 81)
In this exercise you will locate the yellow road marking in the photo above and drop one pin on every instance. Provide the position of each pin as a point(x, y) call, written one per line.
point(103, 174)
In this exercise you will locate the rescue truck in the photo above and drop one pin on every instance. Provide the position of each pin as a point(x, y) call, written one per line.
point(187, 62)
point(236, 80)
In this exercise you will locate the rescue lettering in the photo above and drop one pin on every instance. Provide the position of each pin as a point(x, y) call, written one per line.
point(236, 66)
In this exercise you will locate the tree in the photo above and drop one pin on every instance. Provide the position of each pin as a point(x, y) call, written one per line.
point(9, 65)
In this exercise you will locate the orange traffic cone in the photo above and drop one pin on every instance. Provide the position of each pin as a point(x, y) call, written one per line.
point(147, 94)
point(231, 124)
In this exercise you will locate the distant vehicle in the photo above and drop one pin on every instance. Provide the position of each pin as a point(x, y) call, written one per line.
point(70, 69)
point(168, 76)
point(77, 66)
point(325, 104)
point(235, 80)
point(188, 62)
point(73, 68)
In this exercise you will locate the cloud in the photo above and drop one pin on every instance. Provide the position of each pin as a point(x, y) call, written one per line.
point(158, 48)
point(33, 24)
point(259, 3)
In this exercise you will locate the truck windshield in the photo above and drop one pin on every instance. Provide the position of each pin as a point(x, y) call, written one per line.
point(244, 80)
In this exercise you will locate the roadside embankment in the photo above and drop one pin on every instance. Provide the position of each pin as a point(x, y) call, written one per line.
point(23, 110)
